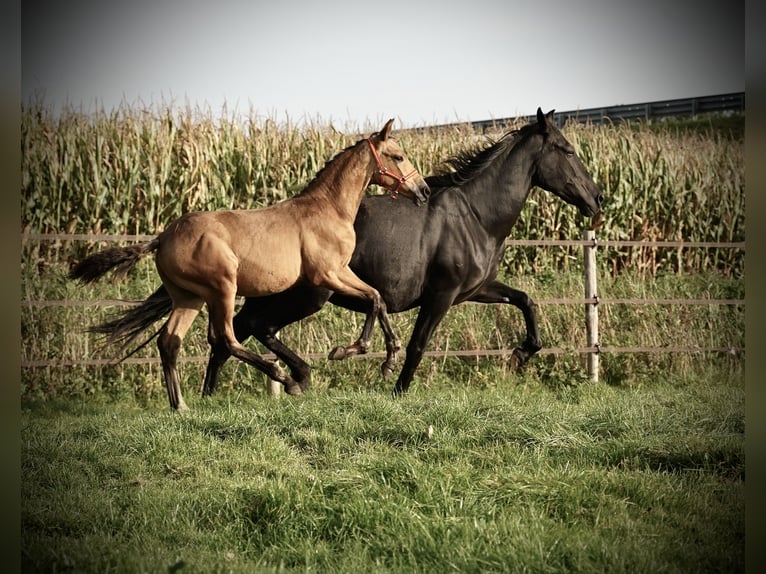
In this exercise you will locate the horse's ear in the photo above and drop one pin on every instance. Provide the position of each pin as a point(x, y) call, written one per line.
point(544, 120)
point(384, 133)
point(541, 120)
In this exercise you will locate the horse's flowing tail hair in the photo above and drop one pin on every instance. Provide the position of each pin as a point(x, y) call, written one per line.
point(119, 260)
point(126, 328)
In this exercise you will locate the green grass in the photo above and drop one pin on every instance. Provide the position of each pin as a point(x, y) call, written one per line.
point(530, 475)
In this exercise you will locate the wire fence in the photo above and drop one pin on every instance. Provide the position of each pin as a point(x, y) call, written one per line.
point(591, 303)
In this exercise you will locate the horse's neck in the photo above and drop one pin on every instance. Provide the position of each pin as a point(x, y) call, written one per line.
point(345, 181)
point(499, 193)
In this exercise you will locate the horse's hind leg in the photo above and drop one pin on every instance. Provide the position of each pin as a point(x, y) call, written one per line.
point(392, 343)
point(264, 317)
point(497, 292)
point(224, 343)
point(169, 344)
point(219, 354)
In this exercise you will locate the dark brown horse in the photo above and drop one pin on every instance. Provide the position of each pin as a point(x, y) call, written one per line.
point(211, 257)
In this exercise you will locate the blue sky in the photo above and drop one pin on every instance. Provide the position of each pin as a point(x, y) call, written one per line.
point(357, 63)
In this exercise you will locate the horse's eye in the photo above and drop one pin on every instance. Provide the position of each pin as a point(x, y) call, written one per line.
point(397, 158)
point(568, 151)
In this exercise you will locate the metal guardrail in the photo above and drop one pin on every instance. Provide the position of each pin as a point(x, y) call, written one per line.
point(722, 103)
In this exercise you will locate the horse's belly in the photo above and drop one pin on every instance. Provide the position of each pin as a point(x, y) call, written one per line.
point(258, 278)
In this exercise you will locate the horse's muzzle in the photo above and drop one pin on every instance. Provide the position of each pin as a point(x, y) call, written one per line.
point(592, 209)
point(422, 193)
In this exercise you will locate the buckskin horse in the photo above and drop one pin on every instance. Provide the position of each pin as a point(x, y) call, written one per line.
point(210, 257)
point(462, 233)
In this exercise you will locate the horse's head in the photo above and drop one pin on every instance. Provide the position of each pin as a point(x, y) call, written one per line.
point(394, 171)
point(561, 172)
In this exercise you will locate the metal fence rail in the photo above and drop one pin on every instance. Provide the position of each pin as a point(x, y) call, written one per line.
point(590, 303)
point(113, 237)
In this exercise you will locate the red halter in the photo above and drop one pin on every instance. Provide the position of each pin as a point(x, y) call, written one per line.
point(382, 171)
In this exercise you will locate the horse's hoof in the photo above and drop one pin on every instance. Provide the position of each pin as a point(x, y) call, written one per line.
point(304, 384)
point(386, 369)
point(517, 360)
point(294, 389)
point(338, 353)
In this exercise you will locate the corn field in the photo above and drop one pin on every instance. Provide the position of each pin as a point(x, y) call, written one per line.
point(135, 170)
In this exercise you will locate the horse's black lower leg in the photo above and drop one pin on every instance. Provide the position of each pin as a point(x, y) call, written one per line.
point(222, 338)
point(219, 354)
point(429, 317)
point(392, 345)
point(269, 368)
point(299, 369)
point(263, 318)
point(496, 292)
point(362, 344)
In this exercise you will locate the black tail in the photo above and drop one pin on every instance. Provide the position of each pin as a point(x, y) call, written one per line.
point(119, 259)
point(126, 328)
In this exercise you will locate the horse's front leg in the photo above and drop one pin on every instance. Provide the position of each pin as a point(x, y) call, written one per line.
point(362, 344)
point(496, 292)
point(431, 313)
point(345, 282)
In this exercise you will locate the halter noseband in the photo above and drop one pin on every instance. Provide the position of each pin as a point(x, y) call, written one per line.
point(382, 171)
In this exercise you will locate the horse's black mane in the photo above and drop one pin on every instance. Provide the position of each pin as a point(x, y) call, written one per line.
point(470, 163)
point(460, 169)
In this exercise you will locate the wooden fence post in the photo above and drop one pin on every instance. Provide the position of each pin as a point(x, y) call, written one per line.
point(274, 387)
point(591, 309)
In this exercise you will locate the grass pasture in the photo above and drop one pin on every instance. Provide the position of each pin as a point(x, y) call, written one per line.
point(527, 476)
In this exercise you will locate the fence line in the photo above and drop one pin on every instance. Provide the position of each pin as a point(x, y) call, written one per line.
point(591, 301)
point(465, 353)
point(93, 237)
point(41, 303)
